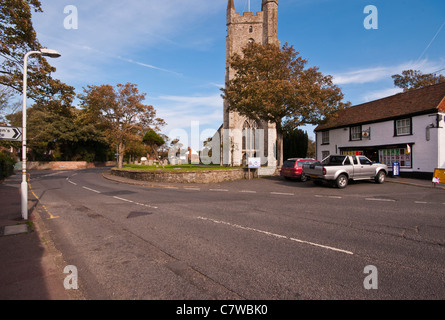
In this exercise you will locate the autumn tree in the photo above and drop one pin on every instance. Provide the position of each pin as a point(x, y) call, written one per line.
point(272, 84)
point(414, 79)
point(5, 101)
point(121, 112)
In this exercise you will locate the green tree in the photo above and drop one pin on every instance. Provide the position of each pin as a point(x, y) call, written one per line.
point(272, 84)
point(18, 37)
point(414, 79)
point(295, 143)
point(154, 141)
point(58, 132)
point(121, 113)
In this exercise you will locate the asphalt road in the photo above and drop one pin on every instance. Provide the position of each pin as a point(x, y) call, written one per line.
point(262, 239)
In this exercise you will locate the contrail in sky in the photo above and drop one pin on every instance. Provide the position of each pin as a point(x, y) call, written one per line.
point(432, 40)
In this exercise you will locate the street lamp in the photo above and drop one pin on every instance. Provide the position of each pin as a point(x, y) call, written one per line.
point(24, 186)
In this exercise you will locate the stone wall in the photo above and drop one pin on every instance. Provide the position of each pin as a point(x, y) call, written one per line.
point(199, 176)
point(61, 165)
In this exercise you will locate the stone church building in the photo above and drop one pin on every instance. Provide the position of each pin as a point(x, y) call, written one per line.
point(239, 136)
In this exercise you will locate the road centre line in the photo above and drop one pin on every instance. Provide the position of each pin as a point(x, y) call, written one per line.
point(283, 193)
point(53, 174)
point(276, 235)
point(134, 202)
point(122, 199)
point(222, 190)
point(91, 189)
point(247, 191)
point(331, 197)
point(380, 199)
point(118, 198)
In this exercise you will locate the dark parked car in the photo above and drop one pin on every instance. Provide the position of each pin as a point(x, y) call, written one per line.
point(293, 168)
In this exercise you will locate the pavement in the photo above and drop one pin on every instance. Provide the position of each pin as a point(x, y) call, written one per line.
point(31, 267)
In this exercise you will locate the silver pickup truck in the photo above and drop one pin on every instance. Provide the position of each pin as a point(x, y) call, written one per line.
point(340, 169)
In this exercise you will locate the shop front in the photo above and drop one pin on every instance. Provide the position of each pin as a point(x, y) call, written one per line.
point(386, 154)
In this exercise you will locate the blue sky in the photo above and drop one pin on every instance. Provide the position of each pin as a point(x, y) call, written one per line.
point(174, 50)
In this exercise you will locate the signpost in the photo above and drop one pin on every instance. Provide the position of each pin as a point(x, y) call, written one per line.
point(253, 163)
point(11, 133)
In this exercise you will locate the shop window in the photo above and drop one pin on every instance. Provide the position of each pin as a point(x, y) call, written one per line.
point(400, 155)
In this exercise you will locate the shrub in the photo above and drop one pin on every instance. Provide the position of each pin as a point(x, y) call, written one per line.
point(6, 165)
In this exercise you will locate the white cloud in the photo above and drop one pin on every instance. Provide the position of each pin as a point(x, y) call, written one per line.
point(181, 112)
point(374, 74)
point(375, 95)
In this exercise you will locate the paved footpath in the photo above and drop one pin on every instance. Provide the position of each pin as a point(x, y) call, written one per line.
point(30, 266)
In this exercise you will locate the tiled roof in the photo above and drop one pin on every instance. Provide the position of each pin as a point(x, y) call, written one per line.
point(424, 100)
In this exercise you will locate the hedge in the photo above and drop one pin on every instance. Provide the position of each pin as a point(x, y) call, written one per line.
point(6, 165)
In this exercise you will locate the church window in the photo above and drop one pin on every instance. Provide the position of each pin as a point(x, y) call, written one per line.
point(250, 29)
point(249, 137)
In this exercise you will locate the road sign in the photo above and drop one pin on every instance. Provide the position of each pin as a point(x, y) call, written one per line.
point(11, 133)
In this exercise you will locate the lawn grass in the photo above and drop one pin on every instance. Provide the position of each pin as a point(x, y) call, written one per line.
point(182, 167)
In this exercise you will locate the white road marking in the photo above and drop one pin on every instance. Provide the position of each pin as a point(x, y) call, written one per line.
point(134, 202)
point(331, 197)
point(72, 182)
point(380, 199)
point(91, 189)
point(54, 174)
point(223, 190)
point(276, 235)
point(420, 202)
point(196, 189)
point(122, 199)
point(283, 193)
point(247, 191)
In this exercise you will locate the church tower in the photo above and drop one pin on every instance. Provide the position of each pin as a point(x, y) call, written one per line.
point(247, 137)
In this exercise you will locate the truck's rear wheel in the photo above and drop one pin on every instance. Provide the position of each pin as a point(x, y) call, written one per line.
point(342, 181)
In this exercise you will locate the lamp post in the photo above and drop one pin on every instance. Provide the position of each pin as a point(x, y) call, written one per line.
point(24, 185)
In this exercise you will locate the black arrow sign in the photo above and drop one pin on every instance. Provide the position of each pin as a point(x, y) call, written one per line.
point(17, 134)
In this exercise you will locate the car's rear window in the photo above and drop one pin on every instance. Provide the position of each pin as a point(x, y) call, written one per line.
point(334, 160)
point(289, 163)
